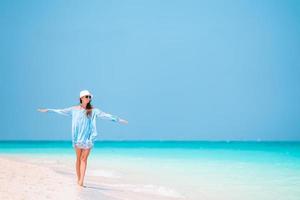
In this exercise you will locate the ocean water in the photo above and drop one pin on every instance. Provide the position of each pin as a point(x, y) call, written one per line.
point(184, 169)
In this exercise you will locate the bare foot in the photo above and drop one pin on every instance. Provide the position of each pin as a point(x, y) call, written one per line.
point(80, 183)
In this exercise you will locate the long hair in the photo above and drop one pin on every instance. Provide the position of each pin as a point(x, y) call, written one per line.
point(88, 108)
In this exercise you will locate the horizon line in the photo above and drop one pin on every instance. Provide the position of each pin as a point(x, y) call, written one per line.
point(153, 140)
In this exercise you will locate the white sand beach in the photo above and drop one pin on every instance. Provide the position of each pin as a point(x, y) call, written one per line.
point(27, 181)
point(39, 178)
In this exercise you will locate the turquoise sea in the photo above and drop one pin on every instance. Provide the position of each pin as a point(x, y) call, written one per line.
point(188, 169)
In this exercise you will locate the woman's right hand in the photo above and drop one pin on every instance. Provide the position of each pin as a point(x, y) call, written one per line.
point(43, 110)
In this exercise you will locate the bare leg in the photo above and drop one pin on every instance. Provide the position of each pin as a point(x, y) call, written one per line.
point(78, 156)
point(83, 164)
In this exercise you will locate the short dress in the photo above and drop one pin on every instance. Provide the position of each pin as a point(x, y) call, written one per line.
point(84, 129)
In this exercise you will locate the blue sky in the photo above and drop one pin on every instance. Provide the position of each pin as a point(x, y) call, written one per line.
point(188, 70)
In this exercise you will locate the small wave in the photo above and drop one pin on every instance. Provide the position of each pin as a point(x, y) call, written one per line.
point(149, 189)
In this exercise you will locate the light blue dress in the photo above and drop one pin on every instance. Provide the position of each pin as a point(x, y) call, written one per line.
point(84, 129)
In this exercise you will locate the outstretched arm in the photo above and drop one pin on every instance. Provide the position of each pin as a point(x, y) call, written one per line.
point(64, 111)
point(103, 115)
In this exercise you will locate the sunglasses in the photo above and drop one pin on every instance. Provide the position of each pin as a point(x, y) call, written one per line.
point(88, 97)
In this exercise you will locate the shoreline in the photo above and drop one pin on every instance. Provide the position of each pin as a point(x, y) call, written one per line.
point(24, 177)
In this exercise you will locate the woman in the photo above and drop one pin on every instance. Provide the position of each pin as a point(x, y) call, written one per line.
point(84, 128)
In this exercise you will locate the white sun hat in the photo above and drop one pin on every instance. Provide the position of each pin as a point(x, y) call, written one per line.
point(84, 93)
